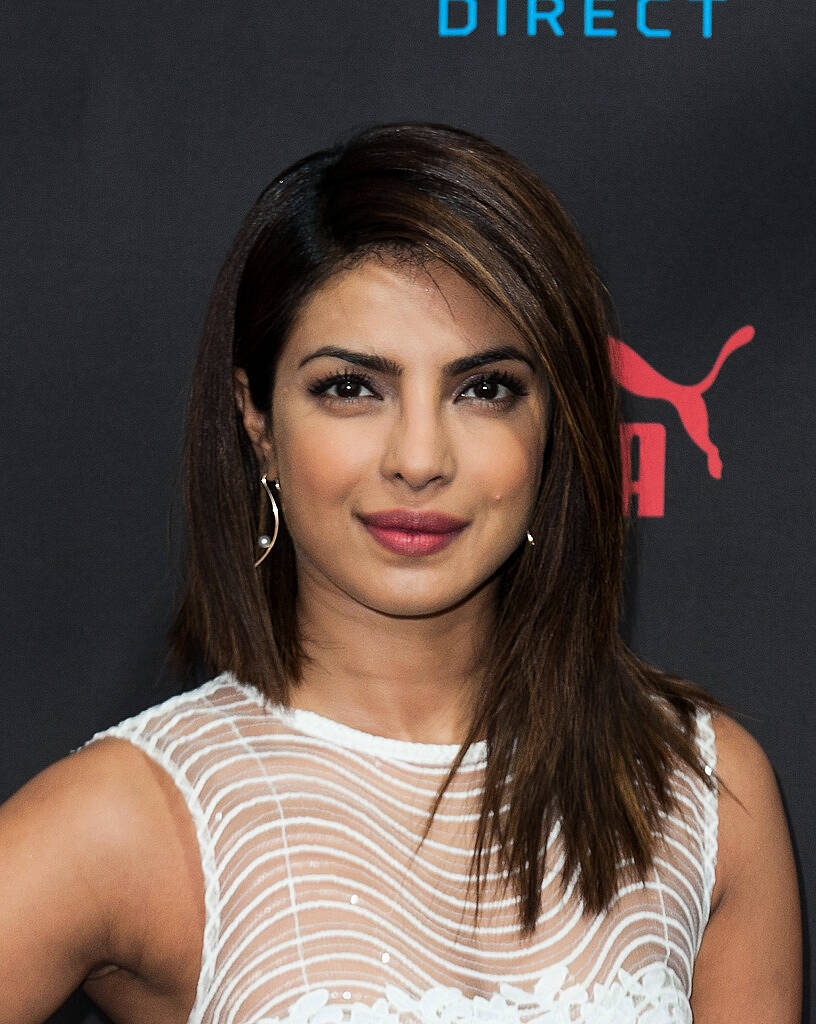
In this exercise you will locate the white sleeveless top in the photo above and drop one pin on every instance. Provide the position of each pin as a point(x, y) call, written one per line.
point(319, 909)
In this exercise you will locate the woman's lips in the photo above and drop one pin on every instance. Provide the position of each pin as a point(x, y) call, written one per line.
point(413, 532)
point(410, 542)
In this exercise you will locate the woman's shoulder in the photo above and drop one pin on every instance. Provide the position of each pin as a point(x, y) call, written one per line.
point(97, 844)
point(108, 800)
point(746, 774)
point(721, 810)
point(123, 814)
point(752, 944)
point(743, 797)
point(177, 743)
point(150, 837)
point(750, 811)
point(739, 753)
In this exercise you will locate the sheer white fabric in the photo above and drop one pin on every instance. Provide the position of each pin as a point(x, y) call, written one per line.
point(319, 909)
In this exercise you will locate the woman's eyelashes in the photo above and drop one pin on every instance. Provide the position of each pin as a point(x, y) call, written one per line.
point(489, 382)
point(487, 388)
point(347, 383)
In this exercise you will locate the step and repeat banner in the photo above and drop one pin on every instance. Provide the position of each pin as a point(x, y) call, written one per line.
point(679, 134)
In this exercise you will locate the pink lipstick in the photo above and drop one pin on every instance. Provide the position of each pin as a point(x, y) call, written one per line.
point(411, 531)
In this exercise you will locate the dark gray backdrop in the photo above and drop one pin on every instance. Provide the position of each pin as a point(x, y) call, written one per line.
point(136, 136)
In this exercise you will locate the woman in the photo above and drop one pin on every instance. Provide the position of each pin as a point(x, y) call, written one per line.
point(426, 780)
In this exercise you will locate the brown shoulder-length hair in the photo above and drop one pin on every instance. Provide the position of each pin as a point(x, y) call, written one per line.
point(577, 728)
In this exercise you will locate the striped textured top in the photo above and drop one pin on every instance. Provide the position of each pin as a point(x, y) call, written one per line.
point(321, 907)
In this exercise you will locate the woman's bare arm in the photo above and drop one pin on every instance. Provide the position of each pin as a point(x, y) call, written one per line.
point(94, 857)
point(749, 968)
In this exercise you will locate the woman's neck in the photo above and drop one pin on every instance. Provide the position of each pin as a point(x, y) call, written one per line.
point(407, 678)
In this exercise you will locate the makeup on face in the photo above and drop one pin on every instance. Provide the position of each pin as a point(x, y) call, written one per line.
point(413, 531)
point(411, 415)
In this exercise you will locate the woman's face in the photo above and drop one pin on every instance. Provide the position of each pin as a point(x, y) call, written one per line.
point(415, 432)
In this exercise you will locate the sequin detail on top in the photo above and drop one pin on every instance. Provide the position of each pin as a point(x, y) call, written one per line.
point(320, 908)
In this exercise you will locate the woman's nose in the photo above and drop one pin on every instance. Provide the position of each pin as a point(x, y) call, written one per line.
point(418, 445)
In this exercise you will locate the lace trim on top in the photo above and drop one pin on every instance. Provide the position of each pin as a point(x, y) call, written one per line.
point(651, 996)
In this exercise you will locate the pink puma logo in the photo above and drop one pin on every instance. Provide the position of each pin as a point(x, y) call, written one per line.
point(637, 376)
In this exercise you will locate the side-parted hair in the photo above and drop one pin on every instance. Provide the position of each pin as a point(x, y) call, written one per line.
point(578, 729)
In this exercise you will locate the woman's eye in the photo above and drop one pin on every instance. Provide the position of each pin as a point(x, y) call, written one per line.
point(347, 389)
point(485, 389)
point(343, 387)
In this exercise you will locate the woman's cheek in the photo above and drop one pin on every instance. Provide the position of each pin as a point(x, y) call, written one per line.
point(324, 464)
point(512, 471)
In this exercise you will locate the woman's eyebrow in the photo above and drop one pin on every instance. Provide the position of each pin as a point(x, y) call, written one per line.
point(381, 364)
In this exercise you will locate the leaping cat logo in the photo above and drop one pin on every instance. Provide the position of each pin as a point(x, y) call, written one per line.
point(637, 376)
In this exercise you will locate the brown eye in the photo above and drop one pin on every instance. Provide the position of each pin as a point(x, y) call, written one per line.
point(486, 386)
point(348, 386)
point(487, 389)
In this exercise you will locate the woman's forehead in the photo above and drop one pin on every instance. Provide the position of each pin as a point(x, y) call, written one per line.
point(412, 311)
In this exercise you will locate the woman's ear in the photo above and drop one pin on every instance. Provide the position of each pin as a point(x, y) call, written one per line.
point(255, 423)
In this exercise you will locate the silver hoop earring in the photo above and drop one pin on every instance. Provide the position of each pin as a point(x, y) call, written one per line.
point(530, 538)
point(264, 541)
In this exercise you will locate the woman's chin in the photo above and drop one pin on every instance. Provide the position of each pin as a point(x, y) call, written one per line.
point(415, 599)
